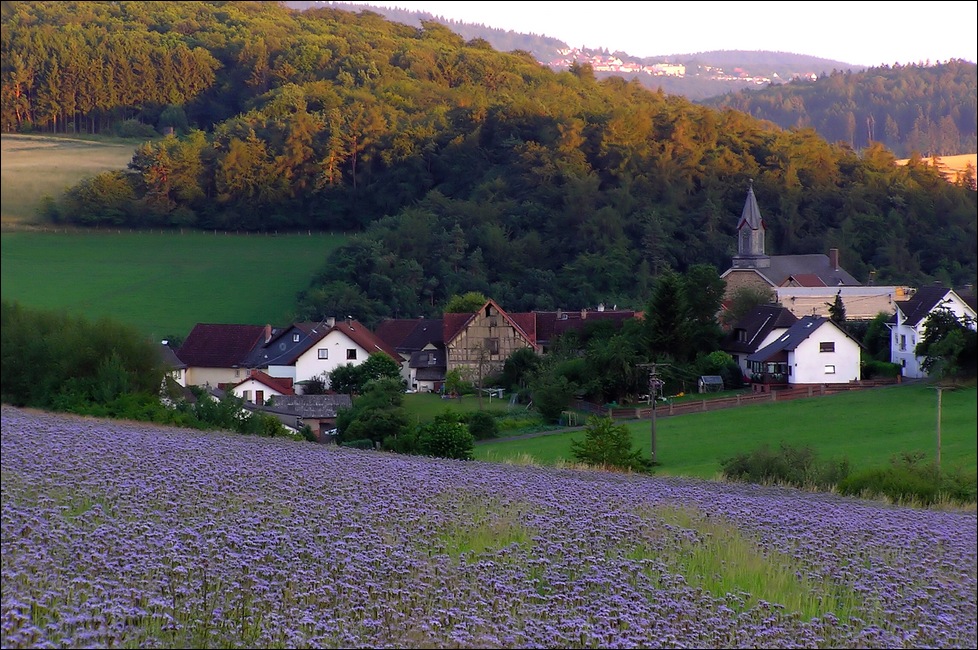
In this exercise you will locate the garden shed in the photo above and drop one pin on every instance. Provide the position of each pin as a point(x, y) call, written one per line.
point(710, 384)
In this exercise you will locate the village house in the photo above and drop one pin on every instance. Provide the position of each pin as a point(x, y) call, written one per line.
point(908, 325)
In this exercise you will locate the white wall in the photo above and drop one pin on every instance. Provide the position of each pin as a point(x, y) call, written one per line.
point(215, 376)
point(808, 363)
point(248, 390)
point(336, 344)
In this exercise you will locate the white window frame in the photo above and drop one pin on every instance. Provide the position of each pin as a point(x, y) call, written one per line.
point(830, 369)
point(323, 353)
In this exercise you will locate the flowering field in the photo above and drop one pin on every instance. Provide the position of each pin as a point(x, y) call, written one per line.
point(128, 535)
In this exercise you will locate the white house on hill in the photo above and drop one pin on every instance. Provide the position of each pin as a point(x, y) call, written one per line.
point(908, 324)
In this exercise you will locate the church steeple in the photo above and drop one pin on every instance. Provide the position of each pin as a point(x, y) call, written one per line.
point(750, 235)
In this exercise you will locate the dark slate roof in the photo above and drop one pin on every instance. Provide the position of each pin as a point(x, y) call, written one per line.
point(430, 374)
point(428, 359)
point(784, 266)
point(170, 358)
point(282, 349)
point(312, 406)
point(427, 331)
point(916, 308)
point(220, 346)
point(394, 331)
point(790, 340)
point(757, 324)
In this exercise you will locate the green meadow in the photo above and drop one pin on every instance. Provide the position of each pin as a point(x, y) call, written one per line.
point(35, 166)
point(162, 283)
point(869, 427)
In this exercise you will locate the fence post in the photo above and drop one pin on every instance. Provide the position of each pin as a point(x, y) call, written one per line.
point(774, 395)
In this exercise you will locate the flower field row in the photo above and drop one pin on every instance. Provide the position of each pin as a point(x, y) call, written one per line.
point(129, 535)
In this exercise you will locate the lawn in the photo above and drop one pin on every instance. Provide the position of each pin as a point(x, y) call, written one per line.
point(162, 284)
point(36, 166)
point(868, 427)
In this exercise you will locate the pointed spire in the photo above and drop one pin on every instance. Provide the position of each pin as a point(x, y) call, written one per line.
point(751, 216)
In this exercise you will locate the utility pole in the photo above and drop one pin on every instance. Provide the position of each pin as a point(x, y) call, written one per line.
point(655, 385)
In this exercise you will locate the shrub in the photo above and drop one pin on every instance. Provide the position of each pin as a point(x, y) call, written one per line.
point(909, 479)
point(445, 439)
point(873, 368)
point(607, 444)
point(359, 443)
point(482, 425)
point(797, 466)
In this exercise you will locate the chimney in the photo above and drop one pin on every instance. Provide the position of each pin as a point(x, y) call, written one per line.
point(330, 322)
point(268, 332)
point(834, 258)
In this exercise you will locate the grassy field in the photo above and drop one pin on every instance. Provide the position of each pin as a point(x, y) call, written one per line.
point(34, 166)
point(162, 284)
point(867, 427)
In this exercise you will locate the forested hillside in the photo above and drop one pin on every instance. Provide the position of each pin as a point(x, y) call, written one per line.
point(461, 168)
point(930, 110)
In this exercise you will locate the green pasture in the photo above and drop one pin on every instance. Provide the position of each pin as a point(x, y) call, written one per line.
point(35, 166)
point(868, 427)
point(162, 283)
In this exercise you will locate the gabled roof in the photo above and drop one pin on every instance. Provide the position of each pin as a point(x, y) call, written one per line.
point(785, 266)
point(313, 406)
point(220, 346)
point(756, 325)
point(280, 384)
point(453, 324)
point(366, 339)
point(922, 303)
point(793, 337)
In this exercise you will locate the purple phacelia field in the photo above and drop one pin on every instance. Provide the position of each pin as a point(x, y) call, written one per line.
point(126, 535)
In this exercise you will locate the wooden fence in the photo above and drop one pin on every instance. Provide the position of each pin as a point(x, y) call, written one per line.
point(665, 409)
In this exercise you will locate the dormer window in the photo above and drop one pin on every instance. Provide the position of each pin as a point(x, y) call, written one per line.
point(295, 337)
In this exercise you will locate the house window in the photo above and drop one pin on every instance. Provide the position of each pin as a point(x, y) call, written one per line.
point(829, 370)
point(351, 354)
point(323, 353)
point(259, 397)
point(826, 346)
point(246, 395)
point(492, 345)
point(295, 337)
point(493, 321)
point(903, 342)
point(741, 335)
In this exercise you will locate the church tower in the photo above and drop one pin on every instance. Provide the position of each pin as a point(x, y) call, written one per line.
point(750, 236)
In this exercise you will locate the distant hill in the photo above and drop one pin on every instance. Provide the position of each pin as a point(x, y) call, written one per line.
point(706, 74)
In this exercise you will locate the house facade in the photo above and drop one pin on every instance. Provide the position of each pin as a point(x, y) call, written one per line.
point(814, 350)
point(346, 342)
point(755, 330)
point(908, 325)
point(478, 344)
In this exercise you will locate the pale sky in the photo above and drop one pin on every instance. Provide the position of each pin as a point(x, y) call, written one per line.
point(859, 33)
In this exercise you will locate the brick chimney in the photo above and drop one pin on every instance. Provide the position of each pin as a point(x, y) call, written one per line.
point(834, 258)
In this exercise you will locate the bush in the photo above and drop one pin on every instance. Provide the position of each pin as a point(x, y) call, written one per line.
point(873, 368)
point(135, 129)
point(445, 439)
point(607, 444)
point(359, 443)
point(908, 479)
point(482, 425)
point(797, 466)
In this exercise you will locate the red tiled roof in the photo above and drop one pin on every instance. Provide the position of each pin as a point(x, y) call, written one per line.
point(366, 339)
point(808, 280)
point(452, 324)
point(281, 384)
point(219, 346)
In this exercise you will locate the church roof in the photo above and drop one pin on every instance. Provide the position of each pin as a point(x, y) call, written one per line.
point(751, 214)
point(784, 266)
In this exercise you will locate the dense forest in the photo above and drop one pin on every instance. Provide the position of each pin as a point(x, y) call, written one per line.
point(930, 110)
point(459, 168)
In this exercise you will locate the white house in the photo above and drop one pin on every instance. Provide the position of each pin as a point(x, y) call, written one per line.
point(346, 342)
point(259, 387)
point(812, 351)
point(908, 324)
